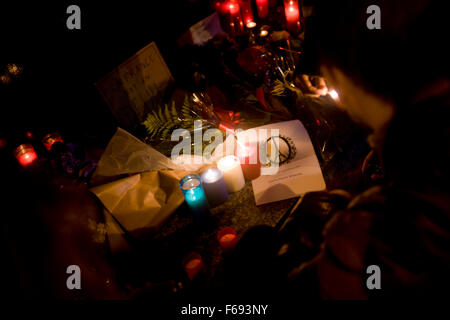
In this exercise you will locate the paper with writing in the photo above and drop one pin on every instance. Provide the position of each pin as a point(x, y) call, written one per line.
point(130, 88)
point(300, 175)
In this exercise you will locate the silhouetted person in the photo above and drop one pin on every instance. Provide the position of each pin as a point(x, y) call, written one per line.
point(394, 82)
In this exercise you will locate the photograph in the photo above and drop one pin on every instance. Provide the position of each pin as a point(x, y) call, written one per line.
point(225, 159)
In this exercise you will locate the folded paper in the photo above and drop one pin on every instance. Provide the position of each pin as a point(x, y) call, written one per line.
point(138, 187)
point(143, 202)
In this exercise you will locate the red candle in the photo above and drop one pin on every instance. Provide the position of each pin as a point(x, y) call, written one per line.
point(235, 21)
point(247, 13)
point(218, 6)
point(227, 238)
point(193, 264)
point(248, 156)
point(263, 8)
point(224, 7)
point(25, 154)
point(292, 13)
point(50, 139)
point(3, 142)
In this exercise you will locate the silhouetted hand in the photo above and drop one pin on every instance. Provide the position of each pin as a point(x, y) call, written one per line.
point(314, 86)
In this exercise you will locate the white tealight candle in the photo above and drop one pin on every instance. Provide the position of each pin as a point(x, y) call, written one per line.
point(230, 167)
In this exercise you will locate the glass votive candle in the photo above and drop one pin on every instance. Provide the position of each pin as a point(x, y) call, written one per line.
point(227, 238)
point(292, 13)
point(232, 173)
point(191, 186)
point(50, 139)
point(236, 25)
point(25, 154)
point(247, 13)
point(263, 8)
point(248, 157)
point(214, 186)
point(193, 264)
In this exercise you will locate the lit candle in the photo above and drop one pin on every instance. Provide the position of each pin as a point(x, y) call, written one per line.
point(292, 15)
point(247, 13)
point(232, 173)
point(191, 186)
point(214, 186)
point(218, 6)
point(234, 10)
point(333, 94)
point(248, 157)
point(227, 238)
point(233, 7)
point(50, 139)
point(25, 154)
point(193, 264)
point(224, 7)
point(263, 8)
point(251, 25)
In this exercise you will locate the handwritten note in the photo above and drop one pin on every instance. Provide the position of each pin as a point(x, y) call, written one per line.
point(130, 88)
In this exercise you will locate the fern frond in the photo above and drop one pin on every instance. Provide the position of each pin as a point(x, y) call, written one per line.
point(279, 89)
point(163, 119)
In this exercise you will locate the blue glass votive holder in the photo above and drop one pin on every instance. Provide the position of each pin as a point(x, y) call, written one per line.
point(214, 186)
point(191, 186)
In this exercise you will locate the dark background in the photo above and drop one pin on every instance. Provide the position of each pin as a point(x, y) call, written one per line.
point(56, 91)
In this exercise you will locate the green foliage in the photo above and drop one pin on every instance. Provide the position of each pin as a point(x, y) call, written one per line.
point(282, 88)
point(279, 89)
point(161, 122)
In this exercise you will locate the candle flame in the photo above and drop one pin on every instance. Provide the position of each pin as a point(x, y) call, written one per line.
point(333, 94)
point(227, 162)
point(211, 175)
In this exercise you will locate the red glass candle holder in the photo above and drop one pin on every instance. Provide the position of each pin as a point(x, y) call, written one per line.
point(235, 23)
point(29, 135)
point(193, 264)
point(249, 159)
point(50, 139)
point(247, 13)
point(263, 8)
point(218, 6)
point(227, 238)
point(25, 154)
point(292, 13)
